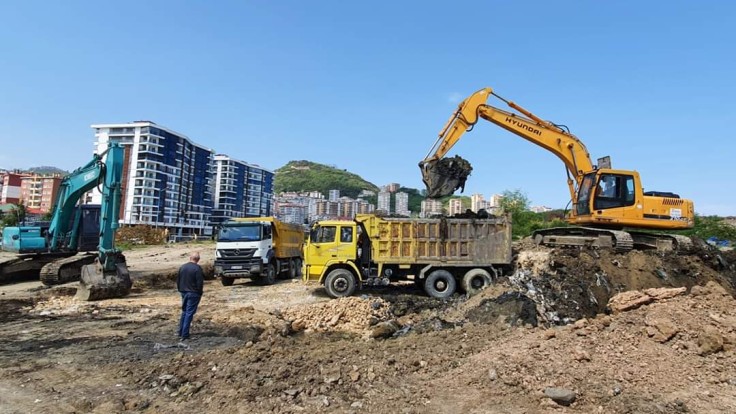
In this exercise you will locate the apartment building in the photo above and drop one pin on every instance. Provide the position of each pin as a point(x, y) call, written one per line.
point(241, 189)
point(430, 207)
point(10, 187)
point(402, 203)
point(167, 178)
point(384, 202)
point(455, 206)
point(38, 192)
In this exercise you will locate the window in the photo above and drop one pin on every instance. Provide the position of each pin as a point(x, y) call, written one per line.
point(324, 234)
point(346, 234)
point(613, 191)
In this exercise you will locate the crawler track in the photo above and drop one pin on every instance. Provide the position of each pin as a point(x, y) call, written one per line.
point(65, 270)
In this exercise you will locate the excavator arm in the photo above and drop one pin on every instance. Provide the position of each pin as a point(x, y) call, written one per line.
point(62, 230)
point(442, 179)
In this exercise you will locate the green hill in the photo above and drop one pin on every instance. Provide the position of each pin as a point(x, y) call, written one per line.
point(47, 170)
point(301, 176)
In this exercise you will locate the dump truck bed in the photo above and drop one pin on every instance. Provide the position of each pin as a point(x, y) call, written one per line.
point(449, 241)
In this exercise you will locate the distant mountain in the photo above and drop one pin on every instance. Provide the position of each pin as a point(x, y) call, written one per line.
point(303, 176)
point(47, 170)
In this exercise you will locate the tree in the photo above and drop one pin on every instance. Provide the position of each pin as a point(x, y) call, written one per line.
point(15, 216)
point(523, 220)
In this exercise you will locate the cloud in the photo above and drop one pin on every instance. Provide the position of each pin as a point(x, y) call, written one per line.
point(455, 98)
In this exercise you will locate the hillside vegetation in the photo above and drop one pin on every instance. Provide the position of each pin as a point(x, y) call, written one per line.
point(302, 176)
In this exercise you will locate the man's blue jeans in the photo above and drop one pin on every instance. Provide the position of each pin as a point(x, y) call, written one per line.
point(189, 303)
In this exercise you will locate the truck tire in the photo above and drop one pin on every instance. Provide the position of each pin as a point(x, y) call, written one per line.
point(226, 281)
point(476, 280)
point(291, 272)
point(440, 284)
point(340, 283)
point(269, 275)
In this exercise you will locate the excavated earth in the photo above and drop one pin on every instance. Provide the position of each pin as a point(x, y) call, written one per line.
point(563, 330)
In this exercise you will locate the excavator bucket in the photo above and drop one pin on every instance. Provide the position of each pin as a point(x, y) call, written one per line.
point(96, 284)
point(442, 177)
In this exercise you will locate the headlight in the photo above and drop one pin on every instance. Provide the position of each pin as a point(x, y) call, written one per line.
point(217, 254)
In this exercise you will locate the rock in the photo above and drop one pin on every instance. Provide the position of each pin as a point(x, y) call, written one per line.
point(549, 334)
point(492, 374)
point(298, 325)
point(660, 329)
point(580, 324)
point(292, 392)
point(716, 289)
point(626, 301)
point(710, 341)
point(332, 377)
point(384, 329)
point(581, 355)
point(354, 376)
point(561, 396)
point(357, 404)
point(665, 293)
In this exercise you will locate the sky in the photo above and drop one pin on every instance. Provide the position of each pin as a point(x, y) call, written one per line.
point(367, 86)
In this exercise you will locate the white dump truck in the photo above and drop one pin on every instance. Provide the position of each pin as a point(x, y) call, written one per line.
point(259, 248)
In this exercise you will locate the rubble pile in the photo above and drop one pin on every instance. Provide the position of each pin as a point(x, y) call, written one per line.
point(669, 353)
point(351, 314)
point(570, 284)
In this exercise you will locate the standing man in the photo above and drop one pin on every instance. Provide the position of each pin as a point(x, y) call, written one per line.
point(190, 284)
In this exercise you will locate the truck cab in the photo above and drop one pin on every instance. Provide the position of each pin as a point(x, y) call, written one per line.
point(258, 248)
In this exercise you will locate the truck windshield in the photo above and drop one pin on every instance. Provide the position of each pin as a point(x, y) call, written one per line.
point(240, 232)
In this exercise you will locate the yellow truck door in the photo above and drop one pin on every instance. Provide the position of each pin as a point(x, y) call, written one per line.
point(328, 243)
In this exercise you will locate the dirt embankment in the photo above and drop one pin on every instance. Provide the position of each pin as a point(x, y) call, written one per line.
point(562, 331)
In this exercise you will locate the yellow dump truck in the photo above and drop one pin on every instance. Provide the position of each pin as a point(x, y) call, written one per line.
point(260, 248)
point(438, 254)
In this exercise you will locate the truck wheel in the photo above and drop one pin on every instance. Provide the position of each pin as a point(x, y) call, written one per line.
point(340, 283)
point(269, 275)
point(440, 284)
point(476, 280)
point(227, 281)
point(291, 273)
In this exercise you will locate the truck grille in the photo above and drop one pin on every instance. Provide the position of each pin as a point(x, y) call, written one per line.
point(237, 253)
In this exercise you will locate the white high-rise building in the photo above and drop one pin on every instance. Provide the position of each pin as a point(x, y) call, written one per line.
point(384, 202)
point(170, 181)
point(402, 204)
point(430, 207)
point(455, 206)
point(495, 201)
point(477, 202)
point(334, 195)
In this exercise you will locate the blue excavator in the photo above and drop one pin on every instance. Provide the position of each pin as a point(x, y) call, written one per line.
point(79, 242)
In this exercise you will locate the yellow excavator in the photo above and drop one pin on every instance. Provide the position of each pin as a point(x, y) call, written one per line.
point(605, 201)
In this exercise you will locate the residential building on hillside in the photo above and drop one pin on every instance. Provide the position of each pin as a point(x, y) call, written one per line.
point(292, 213)
point(392, 187)
point(430, 207)
point(167, 178)
point(241, 190)
point(384, 202)
point(455, 206)
point(495, 200)
point(402, 203)
point(334, 195)
point(314, 206)
point(10, 187)
point(38, 192)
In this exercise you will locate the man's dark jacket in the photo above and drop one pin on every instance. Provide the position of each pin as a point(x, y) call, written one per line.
point(191, 278)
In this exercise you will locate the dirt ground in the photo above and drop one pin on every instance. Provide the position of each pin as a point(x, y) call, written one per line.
point(563, 330)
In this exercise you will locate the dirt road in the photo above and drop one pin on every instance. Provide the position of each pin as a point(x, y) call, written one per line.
point(288, 348)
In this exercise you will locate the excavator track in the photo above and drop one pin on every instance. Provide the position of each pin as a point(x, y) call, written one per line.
point(663, 242)
point(617, 240)
point(65, 270)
